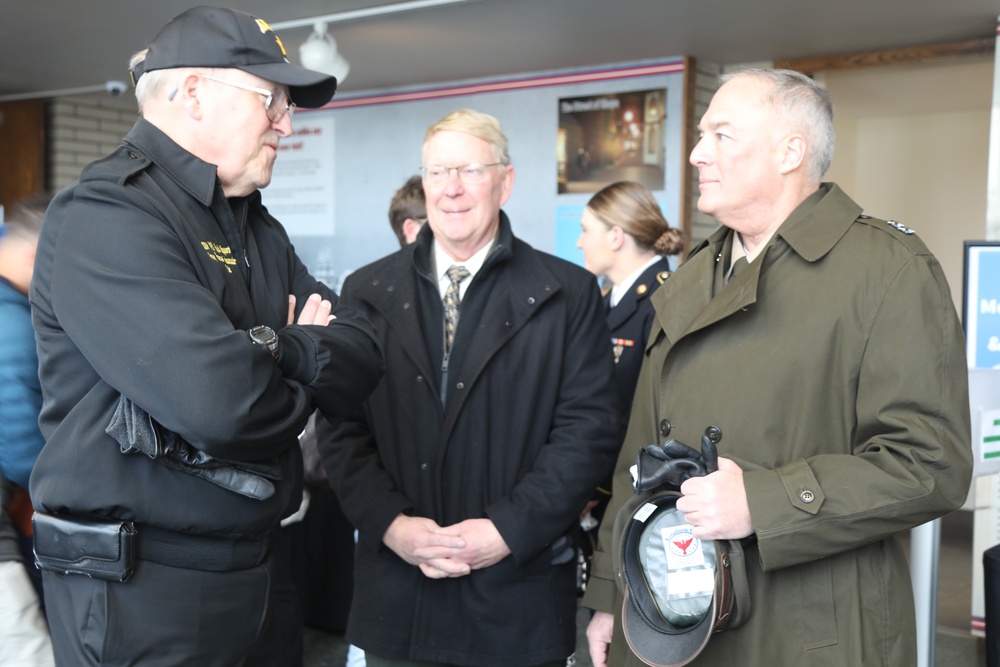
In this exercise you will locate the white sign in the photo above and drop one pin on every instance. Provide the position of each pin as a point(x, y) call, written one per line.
point(300, 195)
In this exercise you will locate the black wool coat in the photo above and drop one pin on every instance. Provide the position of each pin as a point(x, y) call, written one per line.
point(526, 432)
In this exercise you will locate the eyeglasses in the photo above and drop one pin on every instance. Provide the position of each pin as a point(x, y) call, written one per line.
point(276, 102)
point(471, 174)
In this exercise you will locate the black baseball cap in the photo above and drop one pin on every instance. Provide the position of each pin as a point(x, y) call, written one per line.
point(220, 37)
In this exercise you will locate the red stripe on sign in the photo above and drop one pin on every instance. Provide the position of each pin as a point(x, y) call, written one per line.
point(670, 67)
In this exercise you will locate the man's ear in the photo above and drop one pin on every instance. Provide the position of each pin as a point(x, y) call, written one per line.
point(793, 153)
point(189, 94)
point(410, 229)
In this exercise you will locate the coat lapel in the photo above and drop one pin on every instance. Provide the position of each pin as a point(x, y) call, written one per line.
point(629, 303)
point(395, 297)
point(624, 310)
point(697, 308)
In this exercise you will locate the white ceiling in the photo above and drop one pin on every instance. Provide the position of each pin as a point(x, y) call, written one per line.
point(48, 45)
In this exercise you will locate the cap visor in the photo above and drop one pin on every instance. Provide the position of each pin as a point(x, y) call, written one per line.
point(308, 88)
point(658, 648)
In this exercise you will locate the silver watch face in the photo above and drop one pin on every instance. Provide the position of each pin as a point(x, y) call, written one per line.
point(264, 336)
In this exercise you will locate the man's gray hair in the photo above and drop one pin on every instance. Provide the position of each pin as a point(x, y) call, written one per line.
point(804, 103)
point(160, 82)
point(149, 84)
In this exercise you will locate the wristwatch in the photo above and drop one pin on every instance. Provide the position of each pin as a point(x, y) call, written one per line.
point(264, 336)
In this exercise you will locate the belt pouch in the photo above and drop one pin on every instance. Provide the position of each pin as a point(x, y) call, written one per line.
point(95, 548)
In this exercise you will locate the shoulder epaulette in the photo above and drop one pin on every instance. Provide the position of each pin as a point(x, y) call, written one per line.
point(117, 167)
point(895, 230)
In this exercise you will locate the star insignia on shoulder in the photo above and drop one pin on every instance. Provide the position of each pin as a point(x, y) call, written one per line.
point(662, 276)
point(900, 226)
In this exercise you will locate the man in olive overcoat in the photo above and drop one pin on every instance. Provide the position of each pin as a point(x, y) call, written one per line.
point(825, 346)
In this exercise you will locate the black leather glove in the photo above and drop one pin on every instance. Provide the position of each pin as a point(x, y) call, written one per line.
point(137, 432)
point(673, 462)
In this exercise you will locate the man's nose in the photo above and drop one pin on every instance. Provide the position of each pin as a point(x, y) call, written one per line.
point(453, 184)
point(283, 127)
point(698, 153)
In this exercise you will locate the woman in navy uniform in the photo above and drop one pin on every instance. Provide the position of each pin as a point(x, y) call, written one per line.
point(625, 238)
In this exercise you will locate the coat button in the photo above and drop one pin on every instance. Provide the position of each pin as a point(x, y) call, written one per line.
point(420, 378)
point(531, 300)
point(133, 155)
point(807, 496)
point(459, 385)
point(665, 427)
point(424, 466)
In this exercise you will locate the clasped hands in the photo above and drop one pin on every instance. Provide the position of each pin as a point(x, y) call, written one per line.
point(446, 551)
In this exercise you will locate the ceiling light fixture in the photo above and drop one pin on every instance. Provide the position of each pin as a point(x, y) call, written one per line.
point(318, 23)
point(319, 53)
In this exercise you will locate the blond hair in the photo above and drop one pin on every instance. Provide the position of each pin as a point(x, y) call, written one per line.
point(632, 207)
point(478, 124)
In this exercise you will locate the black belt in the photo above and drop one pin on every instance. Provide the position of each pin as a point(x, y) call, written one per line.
point(199, 552)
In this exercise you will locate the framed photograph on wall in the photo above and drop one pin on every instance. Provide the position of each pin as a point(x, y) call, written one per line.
point(611, 137)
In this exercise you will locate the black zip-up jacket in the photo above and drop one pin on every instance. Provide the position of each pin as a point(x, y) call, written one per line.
point(146, 281)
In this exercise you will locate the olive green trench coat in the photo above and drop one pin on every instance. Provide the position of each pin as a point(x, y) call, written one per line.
point(835, 367)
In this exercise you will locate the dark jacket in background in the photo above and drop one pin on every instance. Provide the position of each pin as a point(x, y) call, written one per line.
point(526, 433)
point(630, 321)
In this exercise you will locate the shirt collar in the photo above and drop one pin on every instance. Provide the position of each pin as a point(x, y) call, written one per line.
point(192, 173)
point(442, 261)
point(619, 290)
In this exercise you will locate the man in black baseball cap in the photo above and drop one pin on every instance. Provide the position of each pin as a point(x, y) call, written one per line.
point(219, 37)
point(182, 347)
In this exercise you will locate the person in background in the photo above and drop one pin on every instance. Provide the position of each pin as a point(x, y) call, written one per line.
point(824, 347)
point(408, 211)
point(182, 347)
point(24, 636)
point(467, 468)
point(626, 239)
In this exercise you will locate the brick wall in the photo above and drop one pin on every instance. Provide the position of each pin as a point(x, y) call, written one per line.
point(707, 83)
point(81, 129)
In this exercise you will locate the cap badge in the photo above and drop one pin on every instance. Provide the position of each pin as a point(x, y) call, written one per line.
point(265, 28)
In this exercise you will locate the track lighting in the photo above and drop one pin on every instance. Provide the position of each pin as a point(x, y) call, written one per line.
point(319, 52)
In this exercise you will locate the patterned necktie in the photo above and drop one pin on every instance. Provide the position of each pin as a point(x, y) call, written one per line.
point(456, 274)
